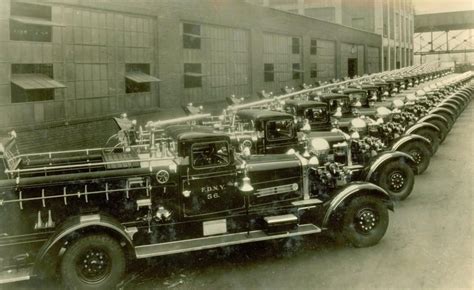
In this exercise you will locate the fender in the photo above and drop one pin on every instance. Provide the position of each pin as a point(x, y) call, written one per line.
point(464, 93)
point(76, 223)
point(458, 98)
point(411, 138)
point(448, 106)
point(464, 97)
point(430, 117)
point(384, 158)
point(351, 190)
point(442, 110)
point(453, 101)
point(421, 125)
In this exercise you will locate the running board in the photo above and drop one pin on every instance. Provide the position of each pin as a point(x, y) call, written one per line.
point(15, 275)
point(218, 241)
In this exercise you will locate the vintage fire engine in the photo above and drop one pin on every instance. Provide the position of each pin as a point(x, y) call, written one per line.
point(267, 131)
point(166, 189)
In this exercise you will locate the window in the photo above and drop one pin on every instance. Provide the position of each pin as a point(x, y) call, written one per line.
point(191, 36)
point(295, 45)
point(192, 75)
point(314, 70)
point(314, 47)
point(316, 114)
point(297, 71)
point(32, 83)
point(279, 129)
point(358, 22)
point(215, 154)
point(268, 72)
point(29, 22)
point(137, 78)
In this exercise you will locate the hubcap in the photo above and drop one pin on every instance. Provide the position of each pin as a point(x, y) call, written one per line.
point(417, 156)
point(397, 181)
point(93, 265)
point(366, 220)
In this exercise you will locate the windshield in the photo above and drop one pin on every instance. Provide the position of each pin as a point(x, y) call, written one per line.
point(344, 103)
point(279, 129)
point(316, 114)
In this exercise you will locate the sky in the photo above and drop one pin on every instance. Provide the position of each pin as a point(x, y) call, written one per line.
point(437, 6)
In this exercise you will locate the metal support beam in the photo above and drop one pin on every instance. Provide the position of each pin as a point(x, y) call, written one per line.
point(444, 52)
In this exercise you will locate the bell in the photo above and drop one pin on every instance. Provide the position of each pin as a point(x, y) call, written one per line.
point(306, 153)
point(246, 187)
point(355, 135)
point(306, 127)
point(338, 113)
point(186, 193)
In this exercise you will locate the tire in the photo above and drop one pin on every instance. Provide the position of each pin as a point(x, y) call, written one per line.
point(397, 178)
point(448, 117)
point(365, 221)
point(420, 152)
point(443, 129)
point(431, 135)
point(91, 253)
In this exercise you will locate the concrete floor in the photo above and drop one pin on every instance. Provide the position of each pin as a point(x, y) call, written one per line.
point(428, 244)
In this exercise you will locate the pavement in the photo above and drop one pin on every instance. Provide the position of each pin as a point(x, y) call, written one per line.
point(428, 244)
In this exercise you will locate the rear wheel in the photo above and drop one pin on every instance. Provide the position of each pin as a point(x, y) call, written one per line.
point(93, 262)
point(420, 152)
point(431, 135)
point(397, 178)
point(365, 221)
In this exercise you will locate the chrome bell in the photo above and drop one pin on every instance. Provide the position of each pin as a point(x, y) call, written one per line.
point(246, 187)
point(338, 113)
point(306, 126)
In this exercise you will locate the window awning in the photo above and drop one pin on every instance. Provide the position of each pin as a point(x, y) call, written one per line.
point(35, 82)
point(141, 77)
point(34, 21)
point(191, 74)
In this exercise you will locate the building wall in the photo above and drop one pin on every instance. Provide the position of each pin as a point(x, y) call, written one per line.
point(392, 19)
point(373, 60)
point(99, 38)
point(89, 54)
point(325, 59)
point(225, 58)
point(277, 50)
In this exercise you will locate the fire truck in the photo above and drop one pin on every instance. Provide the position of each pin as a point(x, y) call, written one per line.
point(169, 188)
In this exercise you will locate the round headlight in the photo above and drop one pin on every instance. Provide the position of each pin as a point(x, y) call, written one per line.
point(320, 147)
point(383, 112)
point(420, 93)
point(410, 99)
point(397, 104)
point(357, 125)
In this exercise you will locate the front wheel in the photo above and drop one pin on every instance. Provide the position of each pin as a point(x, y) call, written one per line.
point(397, 178)
point(421, 153)
point(93, 262)
point(430, 135)
point(365, 221)
point(443, 129)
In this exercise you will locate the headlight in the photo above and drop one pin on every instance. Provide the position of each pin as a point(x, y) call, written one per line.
point(410, 99)
point(383, 113)
point(420, 93)
point(320, 147)
point(397, 104)
point(357, 125)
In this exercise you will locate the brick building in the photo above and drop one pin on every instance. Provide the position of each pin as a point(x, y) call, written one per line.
point(70, 61)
